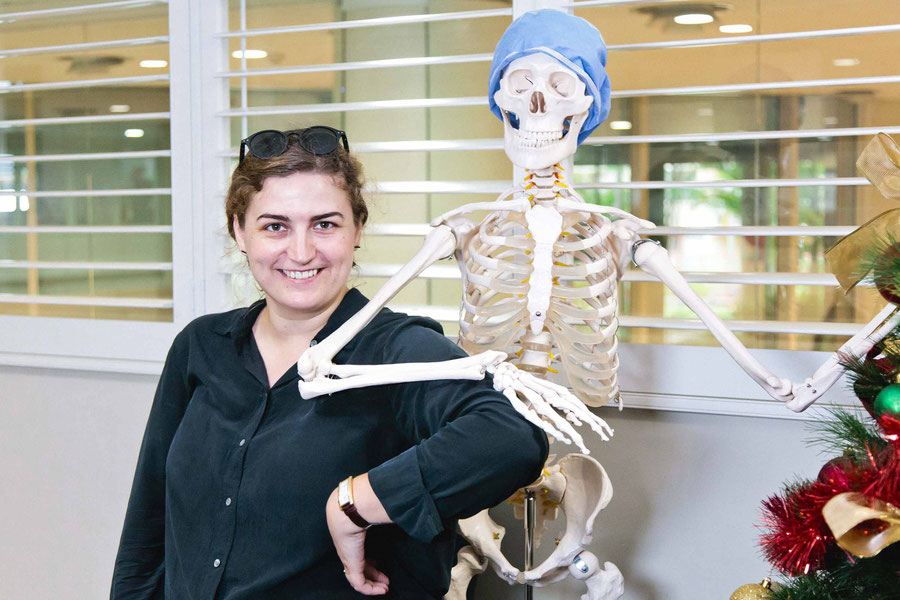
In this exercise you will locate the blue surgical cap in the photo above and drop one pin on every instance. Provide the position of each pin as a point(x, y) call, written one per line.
point(572, 41)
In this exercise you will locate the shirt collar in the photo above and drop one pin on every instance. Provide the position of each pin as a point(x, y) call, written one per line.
point(239, 324)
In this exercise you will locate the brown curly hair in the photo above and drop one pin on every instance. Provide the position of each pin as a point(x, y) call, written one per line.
point(249, 176)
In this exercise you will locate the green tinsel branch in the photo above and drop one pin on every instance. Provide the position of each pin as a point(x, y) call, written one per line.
point(846, 435)
point(866, 378)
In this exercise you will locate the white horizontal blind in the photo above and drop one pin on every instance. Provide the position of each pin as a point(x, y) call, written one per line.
point(787, 218)
point(85, 179)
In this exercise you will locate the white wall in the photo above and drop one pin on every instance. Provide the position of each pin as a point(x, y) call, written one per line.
point(687, 491)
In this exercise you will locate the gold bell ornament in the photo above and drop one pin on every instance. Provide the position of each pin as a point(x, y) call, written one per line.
point(755, 591)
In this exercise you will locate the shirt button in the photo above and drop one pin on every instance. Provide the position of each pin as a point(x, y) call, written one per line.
point(217, 562)
point(242, 442)
point(227, 501)
point(313, 343)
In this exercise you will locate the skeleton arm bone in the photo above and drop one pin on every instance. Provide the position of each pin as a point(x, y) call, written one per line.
point(357, 376)
point(316, 361)
point(831, 370)
point(797, 396)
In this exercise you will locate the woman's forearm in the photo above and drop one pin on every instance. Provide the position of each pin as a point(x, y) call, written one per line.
point(367, 503)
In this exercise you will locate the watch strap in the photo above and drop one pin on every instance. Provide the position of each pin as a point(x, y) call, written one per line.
point(345, 502)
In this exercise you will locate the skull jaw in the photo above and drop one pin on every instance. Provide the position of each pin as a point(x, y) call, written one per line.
point(524, 153)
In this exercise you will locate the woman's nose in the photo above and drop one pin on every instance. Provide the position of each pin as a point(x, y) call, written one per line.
point(302, 248)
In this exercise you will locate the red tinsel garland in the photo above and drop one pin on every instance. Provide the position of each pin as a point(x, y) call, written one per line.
point(798, 536)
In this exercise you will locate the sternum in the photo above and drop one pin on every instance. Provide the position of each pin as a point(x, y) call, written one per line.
point(545, 226)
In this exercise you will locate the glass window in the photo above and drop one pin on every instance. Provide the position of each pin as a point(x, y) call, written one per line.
point(85, 204)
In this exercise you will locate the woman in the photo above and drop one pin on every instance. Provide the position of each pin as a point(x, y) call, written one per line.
point(241, 489)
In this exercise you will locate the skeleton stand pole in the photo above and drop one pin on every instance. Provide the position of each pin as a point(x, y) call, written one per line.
point(529, 539)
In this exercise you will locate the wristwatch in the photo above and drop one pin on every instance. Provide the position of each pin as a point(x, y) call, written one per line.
point(345, 501)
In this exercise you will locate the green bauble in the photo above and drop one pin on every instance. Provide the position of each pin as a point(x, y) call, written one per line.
point(888, 401)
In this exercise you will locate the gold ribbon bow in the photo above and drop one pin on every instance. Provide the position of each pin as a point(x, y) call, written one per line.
point(861, 525)
point(880, 163)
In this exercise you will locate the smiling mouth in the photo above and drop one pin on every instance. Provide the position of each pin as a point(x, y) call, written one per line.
point(300, 275)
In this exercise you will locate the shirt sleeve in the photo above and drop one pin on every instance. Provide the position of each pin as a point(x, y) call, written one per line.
point(139, 567)
point(472, 449)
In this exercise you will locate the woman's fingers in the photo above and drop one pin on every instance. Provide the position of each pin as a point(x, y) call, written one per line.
point(368, 581)
point(374, 574)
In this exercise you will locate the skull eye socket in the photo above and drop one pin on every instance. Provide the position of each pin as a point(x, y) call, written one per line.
point(563, 83)
point(520, 81)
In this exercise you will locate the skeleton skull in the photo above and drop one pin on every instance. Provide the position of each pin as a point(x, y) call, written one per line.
point(544, 106)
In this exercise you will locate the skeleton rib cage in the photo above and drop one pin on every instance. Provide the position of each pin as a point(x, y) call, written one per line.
point(497, 262)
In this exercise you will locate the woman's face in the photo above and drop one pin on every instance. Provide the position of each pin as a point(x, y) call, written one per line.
point(299, 238)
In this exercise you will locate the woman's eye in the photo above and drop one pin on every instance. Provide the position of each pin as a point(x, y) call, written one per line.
point(275, 227)
point(324, 225)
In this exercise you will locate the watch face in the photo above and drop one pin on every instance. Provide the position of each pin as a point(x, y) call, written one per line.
point(344, 498)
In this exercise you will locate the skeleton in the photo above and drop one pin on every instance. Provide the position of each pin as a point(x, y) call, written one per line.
point(539, 277)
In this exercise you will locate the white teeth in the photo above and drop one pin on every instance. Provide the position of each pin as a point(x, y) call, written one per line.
point(537, 139)
point(300, 274)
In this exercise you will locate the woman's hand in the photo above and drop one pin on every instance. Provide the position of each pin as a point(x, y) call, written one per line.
point(349, 538)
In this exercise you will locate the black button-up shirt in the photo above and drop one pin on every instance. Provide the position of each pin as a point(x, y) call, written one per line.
point(229, 494)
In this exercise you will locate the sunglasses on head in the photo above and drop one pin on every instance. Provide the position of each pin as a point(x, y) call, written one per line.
point(270, 143)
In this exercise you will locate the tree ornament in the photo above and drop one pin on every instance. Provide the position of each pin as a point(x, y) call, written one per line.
point(797, 537)
point(888, 401)
point(836, 473)
point(885, 275)
point(862, 526)
point(890, 425)
point(755, 591)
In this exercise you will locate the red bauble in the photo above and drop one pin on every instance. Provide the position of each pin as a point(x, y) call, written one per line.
point(890, 425)
point(887, 290)
point(886, 284)
point(834, 473)
point(885, 366)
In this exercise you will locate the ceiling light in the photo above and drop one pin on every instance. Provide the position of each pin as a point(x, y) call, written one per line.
point(154, 64)
point(119, 108)
point(845, 62)
point(620, 125)
point(134, 133)
point(24, 204)
point(250, 54)
point(740, 28)
point(693, 19)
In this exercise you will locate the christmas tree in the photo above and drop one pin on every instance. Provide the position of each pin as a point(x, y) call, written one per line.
point(834, 538)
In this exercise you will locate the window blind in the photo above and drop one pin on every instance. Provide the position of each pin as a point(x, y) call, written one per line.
point(85, 190)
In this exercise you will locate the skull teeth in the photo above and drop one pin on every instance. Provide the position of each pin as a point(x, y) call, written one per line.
point(537, 139)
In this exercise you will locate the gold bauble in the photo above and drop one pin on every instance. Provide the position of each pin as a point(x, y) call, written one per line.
point(754, 591)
